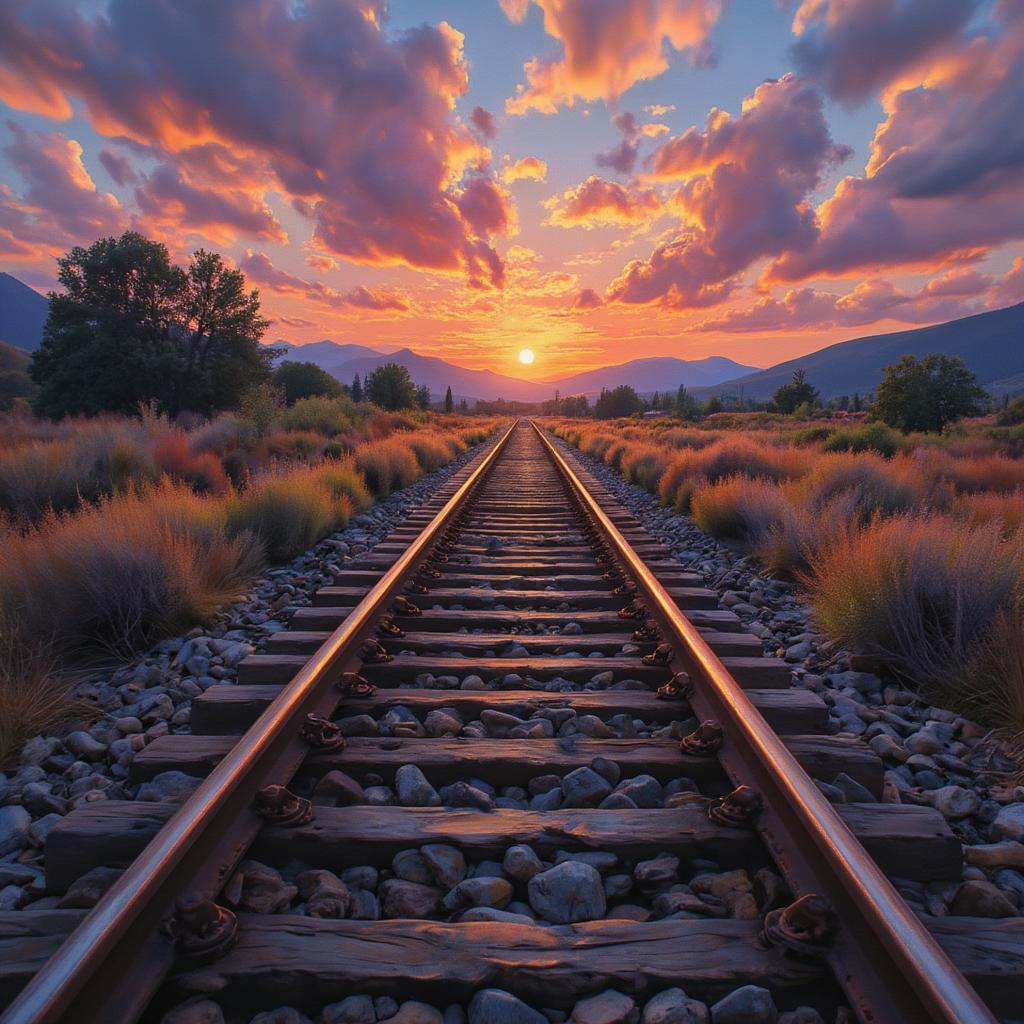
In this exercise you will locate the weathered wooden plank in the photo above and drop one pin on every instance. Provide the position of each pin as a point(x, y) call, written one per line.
point(454, 619)
point(906, 841)
point(307, 963)
point(505, 762)
point(227, 708)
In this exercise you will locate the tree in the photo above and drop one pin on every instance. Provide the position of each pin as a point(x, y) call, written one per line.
point(685, 404)
point(131, 327)
point(928, 393)
point(620, 401)
point(712, 405)
point(222, 330)
point(449, 404)
point(107, 342)
point(357, 389)
point(797, 392)
point(304, 380)
point(391, 387)
point(259, 404)
point(423, 396)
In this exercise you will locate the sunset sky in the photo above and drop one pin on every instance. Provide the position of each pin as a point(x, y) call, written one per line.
point(596, 180)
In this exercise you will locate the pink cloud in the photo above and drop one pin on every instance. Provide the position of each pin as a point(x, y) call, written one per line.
point(945, 173)
point(483, 121)
point(529, 168)
point(60, 206)
point(317, 99)
point(588, 299)
point(597, 202)
point(869, 302)
point(607, 47)
point(743, 195)
point(260, 269)
point(852, 48)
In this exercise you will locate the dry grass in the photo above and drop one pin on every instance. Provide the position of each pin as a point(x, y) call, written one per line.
point(387, 465)
point(992, 507)
point(916, 592)
point(343, 479)
point(433, 449)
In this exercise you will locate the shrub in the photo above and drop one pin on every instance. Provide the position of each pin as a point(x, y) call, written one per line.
point(875, 485)
point(290, 445)
point(387, 465)
point(738, 507)
point(287, 512)
point(433, 450)
point(319, 415)
point(869, 437)
point(342, 479)
point(118, 575)
point(643, 464)
point(989, 507)
point(917, 592)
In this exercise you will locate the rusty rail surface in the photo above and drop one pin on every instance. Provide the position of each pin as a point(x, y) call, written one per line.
point(889, 966)
point(111, 965)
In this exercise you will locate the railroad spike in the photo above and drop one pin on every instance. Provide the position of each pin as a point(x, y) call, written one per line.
point(321, 733)
point(430, 574)
point(403, 606)
point(387, 627)
point(415, 587)
point(372, 653)
point(354, 686)
point(647, 632)
point(705, 741)
point(280, 806)
point(626, 589)
point(737, 809)
point(661, 655)
point(679, 687)
point(437, 556)
point(201, 929)
point(633, 610)
point(805, 929)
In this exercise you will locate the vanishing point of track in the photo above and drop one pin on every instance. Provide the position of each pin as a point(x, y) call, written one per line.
point(519, 543)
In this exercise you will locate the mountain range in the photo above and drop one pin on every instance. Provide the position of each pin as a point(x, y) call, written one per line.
point(991, 344)
point(660, 373)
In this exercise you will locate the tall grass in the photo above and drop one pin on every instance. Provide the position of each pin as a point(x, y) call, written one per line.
point(387, 465)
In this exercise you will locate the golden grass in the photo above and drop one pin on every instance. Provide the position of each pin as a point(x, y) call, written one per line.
point(387, 465)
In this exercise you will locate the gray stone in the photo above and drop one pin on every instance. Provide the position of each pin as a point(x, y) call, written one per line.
point(414, 1012)
point(168, 787)
point(521, 863)
point(608, 1007)
point(413, 789)
point(567, 893)
point(14, 823)
point(409, 899)
point(955, 801)
point(617, 802)
point(85, 892)
point(338, 789)
point(354, 1010)
point(282, 1015)
point(1009, 823)
point(195, 1011)
point(479, 892)
point(584, 788)
point(447, 864)
point(85, 746)
point(494, 914)
point(853, 792)
point(643, 790)
point(662, 870)
point(747, 1005)
point(607, 769)
point(674, 1006)
point(412, 866)
point(462, 794)
point(977, 898)
point(494, 1006)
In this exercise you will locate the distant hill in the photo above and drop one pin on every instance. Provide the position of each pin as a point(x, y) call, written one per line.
point(991, 344)
point(23, 313)
point(658, 373)
point(324, 353)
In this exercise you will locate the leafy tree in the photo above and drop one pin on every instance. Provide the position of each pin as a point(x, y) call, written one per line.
point(928, 393)
point(304, 380)
point(391, 387)
point(357, 389)
point(855, 405)
point(131, 327)
point(107, 343)
point(449, 404)
point(222, 329)
point(713, 405)
point(15, 383)
point(259, 405)
point(423, 396)
point(796, 393)
point(685, 405)
point(620, 401)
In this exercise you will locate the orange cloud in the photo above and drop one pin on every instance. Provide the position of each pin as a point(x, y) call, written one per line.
point(598, 202)
point(529, 168)
point(606, 48)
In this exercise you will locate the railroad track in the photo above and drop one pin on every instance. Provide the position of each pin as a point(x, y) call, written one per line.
point(519, 651)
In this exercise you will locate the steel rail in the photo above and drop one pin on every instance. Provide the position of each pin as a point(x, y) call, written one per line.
point(123, 925)
point(887, 963)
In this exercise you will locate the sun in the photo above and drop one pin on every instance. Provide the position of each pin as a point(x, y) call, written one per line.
point(526, 356)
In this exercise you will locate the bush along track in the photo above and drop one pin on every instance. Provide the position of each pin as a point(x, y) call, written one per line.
point(933, 756)
point(152, 696)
